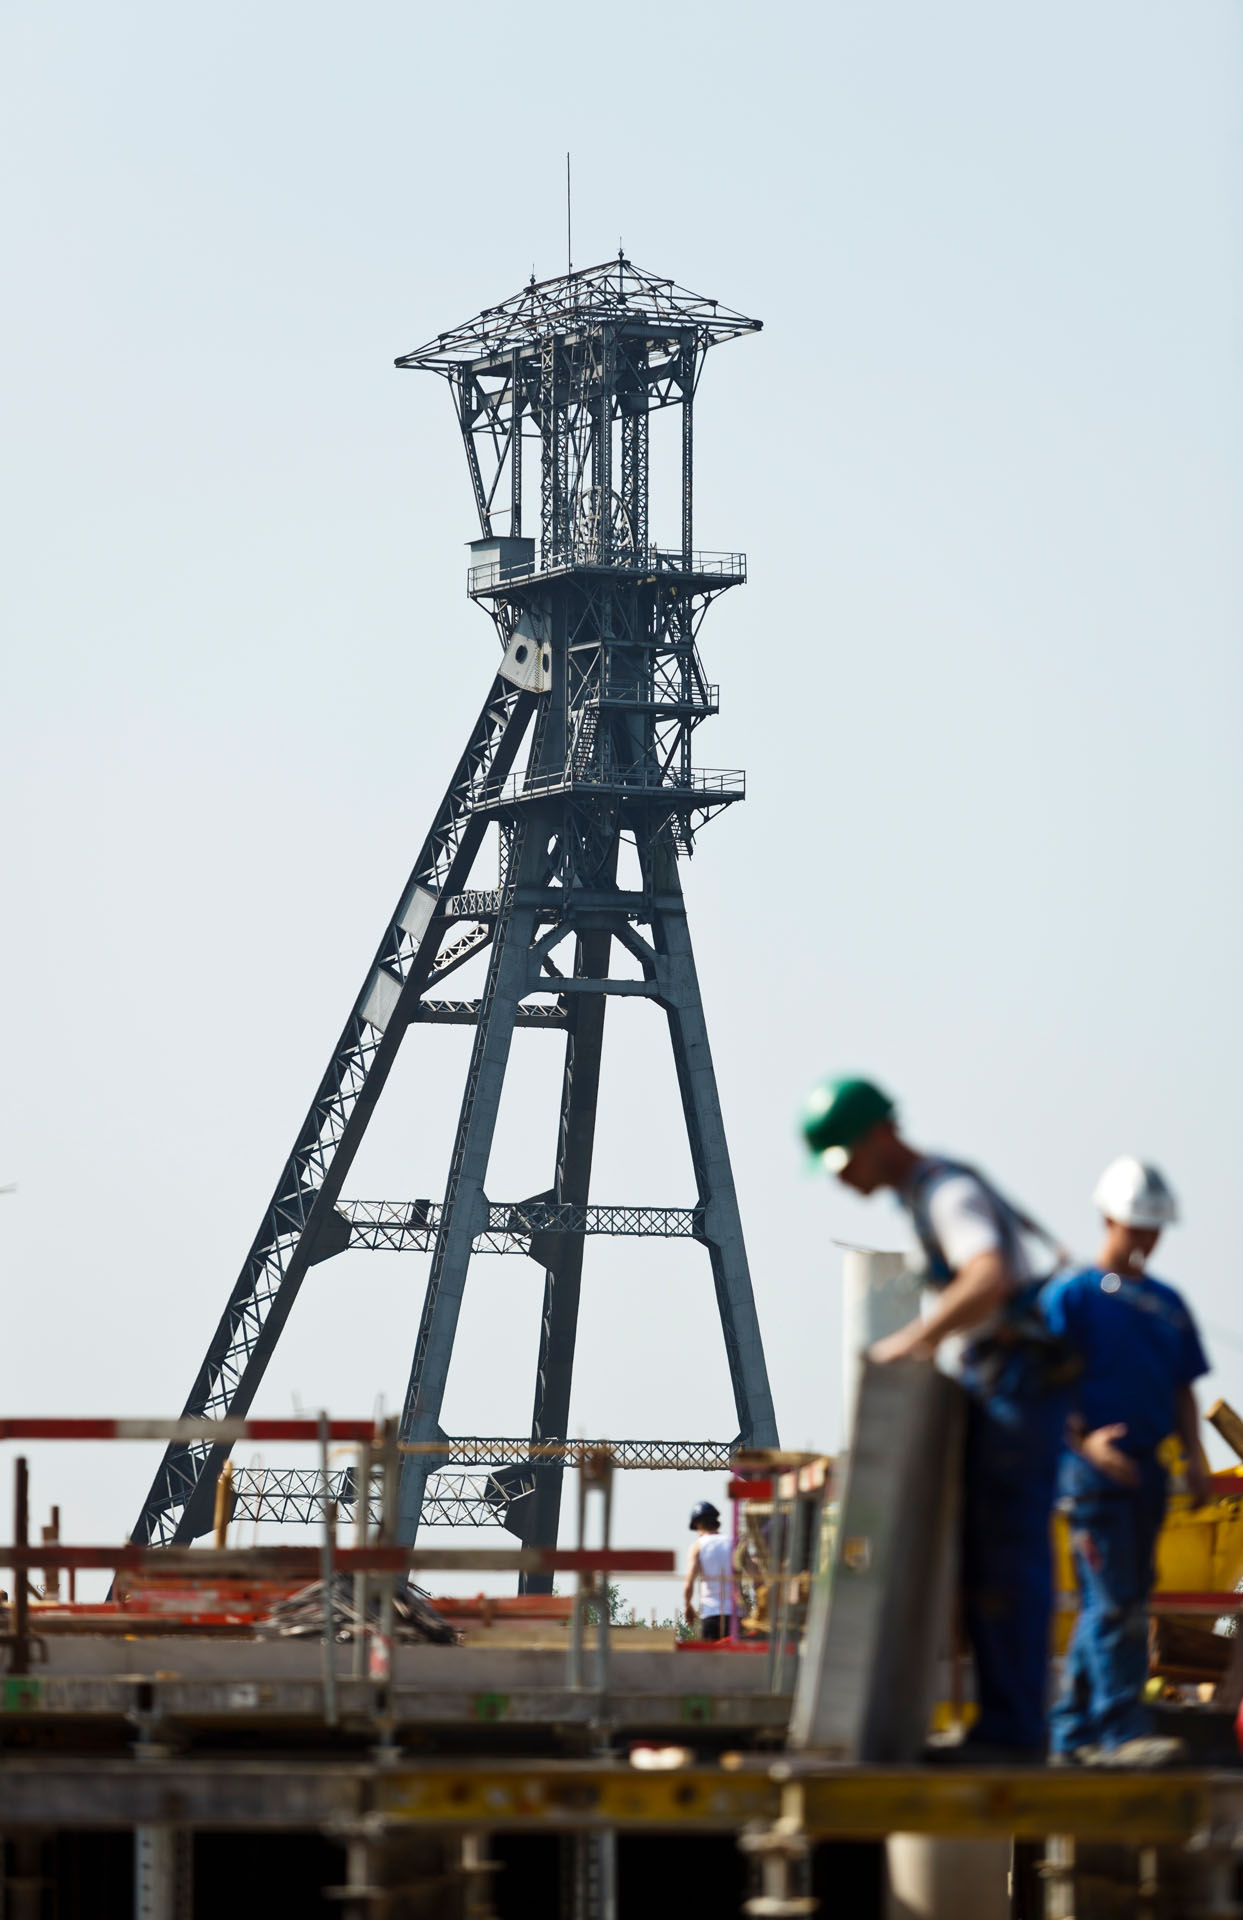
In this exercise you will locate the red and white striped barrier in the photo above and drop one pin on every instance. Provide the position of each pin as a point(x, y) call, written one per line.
point(219, 1432)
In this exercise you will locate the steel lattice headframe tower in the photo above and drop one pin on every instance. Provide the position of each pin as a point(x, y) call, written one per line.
point(600, 679)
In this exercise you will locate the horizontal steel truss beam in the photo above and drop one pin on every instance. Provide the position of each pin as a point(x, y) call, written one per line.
point(651, 1456)
point(411, 1226)
point(294, 1496)
point(465, 1013)
point(552, 905)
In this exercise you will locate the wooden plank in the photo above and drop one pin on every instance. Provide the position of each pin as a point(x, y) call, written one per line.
point(77, 1704)
point(1027, 1804)
point(1228, 1424)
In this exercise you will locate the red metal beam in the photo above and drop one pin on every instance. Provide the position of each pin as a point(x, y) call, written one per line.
point(215, 1563)
point(1207, 1603)
point(217, 1431)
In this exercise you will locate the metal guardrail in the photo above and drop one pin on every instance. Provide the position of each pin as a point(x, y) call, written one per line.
point(620, 690)
point(708, 783)
point(653, 561)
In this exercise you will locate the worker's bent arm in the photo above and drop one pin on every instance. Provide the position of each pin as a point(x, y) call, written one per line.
point(1102, 1448)
point(1189, 1434)
point(972, 1297)
point(688, 1590)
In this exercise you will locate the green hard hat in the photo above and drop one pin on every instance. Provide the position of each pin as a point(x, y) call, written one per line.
point(838, 1113)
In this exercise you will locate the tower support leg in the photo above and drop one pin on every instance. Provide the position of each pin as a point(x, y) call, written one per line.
point(465, 1206)
point(678, 991)
point(580, 1087)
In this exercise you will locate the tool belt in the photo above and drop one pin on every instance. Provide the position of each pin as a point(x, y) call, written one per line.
point(1023, 1355)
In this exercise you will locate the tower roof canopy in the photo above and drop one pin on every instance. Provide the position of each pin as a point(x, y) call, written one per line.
point(616, 290)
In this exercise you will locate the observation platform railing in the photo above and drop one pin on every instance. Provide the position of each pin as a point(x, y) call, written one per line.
point(720, 567)
point(714, 785)
point(618, 689)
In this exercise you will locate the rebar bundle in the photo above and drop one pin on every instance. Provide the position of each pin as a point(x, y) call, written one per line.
point(301, 1615)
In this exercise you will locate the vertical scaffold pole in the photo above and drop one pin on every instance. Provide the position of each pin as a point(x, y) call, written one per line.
point(162, 1873)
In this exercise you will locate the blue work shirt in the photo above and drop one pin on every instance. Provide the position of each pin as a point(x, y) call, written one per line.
point(1139, 1346)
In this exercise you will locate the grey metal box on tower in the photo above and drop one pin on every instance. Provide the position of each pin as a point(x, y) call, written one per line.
point(583, 747)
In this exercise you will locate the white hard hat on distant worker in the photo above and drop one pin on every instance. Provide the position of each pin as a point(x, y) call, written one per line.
point(1134, 1193)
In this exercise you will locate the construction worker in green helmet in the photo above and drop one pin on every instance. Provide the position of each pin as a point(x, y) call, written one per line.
point(977, 1254)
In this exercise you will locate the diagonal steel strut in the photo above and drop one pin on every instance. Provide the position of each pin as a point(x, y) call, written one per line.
point(178, 1506)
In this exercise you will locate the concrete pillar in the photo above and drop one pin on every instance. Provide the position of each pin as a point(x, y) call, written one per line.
point(879, 1295)
point(935, 1879)
point(22, 1881)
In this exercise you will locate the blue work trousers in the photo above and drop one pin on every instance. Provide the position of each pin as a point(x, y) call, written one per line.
point(1009, 1480)
point(1114, 1537)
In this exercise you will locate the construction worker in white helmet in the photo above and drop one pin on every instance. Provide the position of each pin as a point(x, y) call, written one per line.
point(1141, 1353)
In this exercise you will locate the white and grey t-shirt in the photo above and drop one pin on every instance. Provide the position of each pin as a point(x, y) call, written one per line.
point(963, 1216)
point(957, 1217)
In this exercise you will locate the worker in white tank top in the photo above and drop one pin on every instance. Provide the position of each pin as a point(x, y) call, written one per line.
point(709, 1565)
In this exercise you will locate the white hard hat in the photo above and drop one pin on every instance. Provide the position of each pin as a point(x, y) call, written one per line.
point(1135, 1194)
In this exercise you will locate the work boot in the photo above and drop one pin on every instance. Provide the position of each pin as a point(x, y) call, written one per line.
point(1147, 1751)
point(946, 1741)
point(979, 1753)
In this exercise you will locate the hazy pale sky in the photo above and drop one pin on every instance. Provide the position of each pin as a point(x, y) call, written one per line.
point(985, 461)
